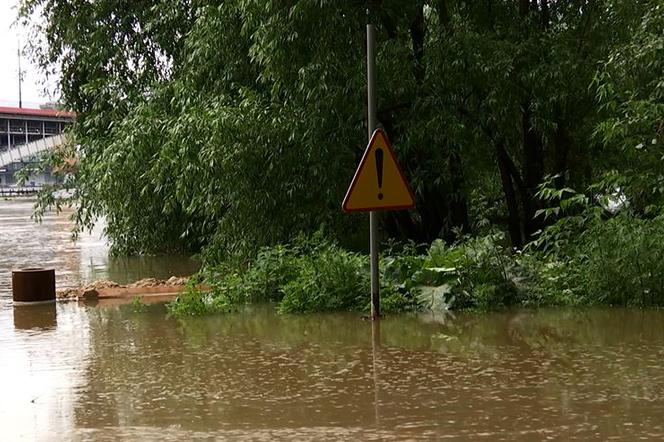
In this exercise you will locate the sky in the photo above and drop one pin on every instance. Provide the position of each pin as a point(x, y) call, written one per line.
point(33, 94)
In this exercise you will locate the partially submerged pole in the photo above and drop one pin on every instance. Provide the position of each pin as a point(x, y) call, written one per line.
point(371, 123)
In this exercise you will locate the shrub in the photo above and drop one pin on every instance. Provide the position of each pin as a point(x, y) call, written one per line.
point(309, 275)
point(476, 273)
point(619, 261)
point(198, 301)
point(596, 257)
point(622, 261)
point(327, 280)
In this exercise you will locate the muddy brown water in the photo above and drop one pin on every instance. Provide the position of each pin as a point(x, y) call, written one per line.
point(75, 372)
point(24, 243)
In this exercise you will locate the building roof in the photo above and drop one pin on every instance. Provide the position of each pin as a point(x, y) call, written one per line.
point(36, 112)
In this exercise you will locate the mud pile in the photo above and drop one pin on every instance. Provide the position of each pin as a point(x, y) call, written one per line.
point(113, 289)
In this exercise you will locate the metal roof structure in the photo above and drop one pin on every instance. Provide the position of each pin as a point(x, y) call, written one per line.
point(43, 113)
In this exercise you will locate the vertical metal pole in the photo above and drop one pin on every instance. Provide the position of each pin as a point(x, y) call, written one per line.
point(20, 77)
point(373, 216)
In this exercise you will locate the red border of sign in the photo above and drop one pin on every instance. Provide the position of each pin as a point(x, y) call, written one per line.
point(378, 132)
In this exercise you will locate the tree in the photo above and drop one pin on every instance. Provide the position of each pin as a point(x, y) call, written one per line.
point(230, 125)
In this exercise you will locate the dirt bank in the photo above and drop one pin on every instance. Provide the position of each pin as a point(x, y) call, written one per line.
point(103, 289)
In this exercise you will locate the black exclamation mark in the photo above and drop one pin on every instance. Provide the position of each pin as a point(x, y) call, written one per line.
point(379, 170)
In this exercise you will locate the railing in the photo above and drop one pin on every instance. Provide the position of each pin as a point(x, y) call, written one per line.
point(10, 191)
point(23, 152)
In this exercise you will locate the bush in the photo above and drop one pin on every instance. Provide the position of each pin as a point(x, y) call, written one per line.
point(590, 260)
point(622, 262)
point(265, 277)
point(198, 301)
point(476, 273)
point(327, 280)
point(596, 257)
point(309, 275)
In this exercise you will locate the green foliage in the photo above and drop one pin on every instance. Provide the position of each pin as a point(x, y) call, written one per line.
point(476, 273)
point(137, 305)
point(198, 300)
point(307, 276)
point(630, 90)
point(227, 126)
point(263, 279)
point(600, 250)
point(329, 279)
point(618, 261)
point(624, 261)
point(200, 131)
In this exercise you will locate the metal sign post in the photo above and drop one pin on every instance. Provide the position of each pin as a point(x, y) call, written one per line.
point(379, 182)
point(373, 216)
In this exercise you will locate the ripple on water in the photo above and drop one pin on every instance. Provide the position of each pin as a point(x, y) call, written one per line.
point(48, 244)
point(74, 372)
point(113, 373)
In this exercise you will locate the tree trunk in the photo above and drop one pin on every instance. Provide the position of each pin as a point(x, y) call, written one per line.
point(514, 224)
point(532, 172)
point(562, 145)
point(417, 35)
point(400, 225)
point(546, 14)
point(443, 15)
point(459, 204)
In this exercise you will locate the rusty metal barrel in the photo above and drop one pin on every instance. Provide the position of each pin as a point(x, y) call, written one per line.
point(33, 285)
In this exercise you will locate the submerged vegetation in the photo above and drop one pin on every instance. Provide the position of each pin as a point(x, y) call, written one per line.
point(531, 132)
point(619, 261)
point(310, 275)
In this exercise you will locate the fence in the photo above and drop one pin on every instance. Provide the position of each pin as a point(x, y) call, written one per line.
point(7, 191)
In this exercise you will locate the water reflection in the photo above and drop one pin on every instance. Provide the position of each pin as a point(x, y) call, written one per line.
point(375, 350)
point(104, 373)
point(42, 365)
point(40, 316)
point(119, 373)
point(28, 244)
point(509, 375)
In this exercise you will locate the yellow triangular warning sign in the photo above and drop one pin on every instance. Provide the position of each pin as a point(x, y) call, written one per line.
point(379, 183)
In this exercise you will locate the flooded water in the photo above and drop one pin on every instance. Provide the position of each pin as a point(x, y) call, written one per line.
point(28, 244)
point(76, 372)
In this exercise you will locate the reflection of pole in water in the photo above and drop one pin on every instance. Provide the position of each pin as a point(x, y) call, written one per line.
point(36, 316)
point(375, 346)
